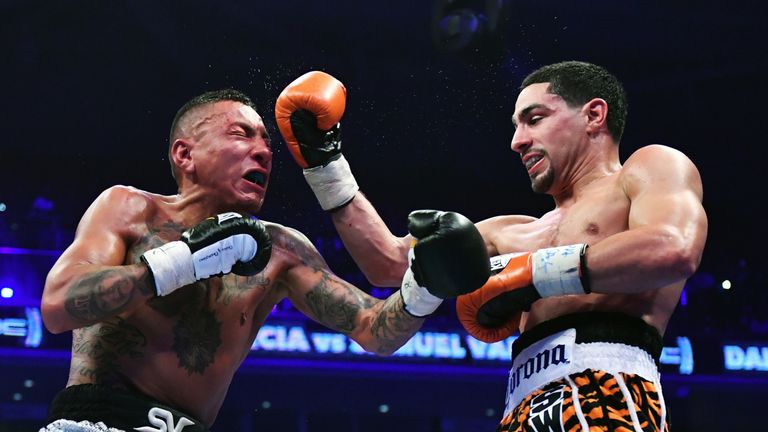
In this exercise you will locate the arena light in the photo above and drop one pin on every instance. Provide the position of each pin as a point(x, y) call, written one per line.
point(6, 292)
point(726, 284)
point(468, 25)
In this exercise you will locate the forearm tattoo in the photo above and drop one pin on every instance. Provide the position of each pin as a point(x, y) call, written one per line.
point(343, 307)
point(393, 326)
point(340, 309)
point(105, 293)
point(337, 312)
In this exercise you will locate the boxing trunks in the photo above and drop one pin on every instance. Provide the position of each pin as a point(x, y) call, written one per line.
point(91, 408)
point(583, 372)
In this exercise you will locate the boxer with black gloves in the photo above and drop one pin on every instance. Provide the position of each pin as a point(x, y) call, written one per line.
point(168, 292)
point(591, 319)
point(448, 259)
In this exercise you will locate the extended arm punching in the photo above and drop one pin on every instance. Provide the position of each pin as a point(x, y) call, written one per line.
point(448, 259)
point(308, 113)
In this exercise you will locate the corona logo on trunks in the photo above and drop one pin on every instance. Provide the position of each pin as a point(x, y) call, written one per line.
point(538, 363)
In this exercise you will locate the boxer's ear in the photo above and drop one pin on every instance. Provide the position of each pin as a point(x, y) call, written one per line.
point(181, 156)
point(596, 113)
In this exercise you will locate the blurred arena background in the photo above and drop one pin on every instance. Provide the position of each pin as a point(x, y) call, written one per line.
point(90, 89)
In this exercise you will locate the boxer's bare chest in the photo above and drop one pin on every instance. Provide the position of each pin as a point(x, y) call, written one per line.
point(201, 326)
point(206, 317)
point(603, 210)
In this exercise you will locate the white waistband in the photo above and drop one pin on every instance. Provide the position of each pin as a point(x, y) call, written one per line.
point(558, 356)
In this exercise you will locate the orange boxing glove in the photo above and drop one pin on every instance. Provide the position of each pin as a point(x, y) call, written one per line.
point(492, 312)
point(322, 98)
point(308, 113)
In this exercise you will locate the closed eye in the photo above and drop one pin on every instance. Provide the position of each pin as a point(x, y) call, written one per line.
point(245, 131)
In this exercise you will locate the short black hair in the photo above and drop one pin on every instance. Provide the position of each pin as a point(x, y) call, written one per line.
point(579, 82)
point(209, 97)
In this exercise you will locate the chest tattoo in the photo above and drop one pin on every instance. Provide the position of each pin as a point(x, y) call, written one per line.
point(103, 344)
point(196, 337)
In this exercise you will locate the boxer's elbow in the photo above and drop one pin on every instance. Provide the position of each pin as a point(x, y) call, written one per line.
point(52, 312)
point(53, 309)
point(384, 350)
point(680, 256)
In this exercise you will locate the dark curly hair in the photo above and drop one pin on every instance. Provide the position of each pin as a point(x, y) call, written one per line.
point(578, 83)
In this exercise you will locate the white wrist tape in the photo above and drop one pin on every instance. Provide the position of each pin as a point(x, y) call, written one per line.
point(333, 184)
point(418, 301)
point(557, 270)
point(171, 266)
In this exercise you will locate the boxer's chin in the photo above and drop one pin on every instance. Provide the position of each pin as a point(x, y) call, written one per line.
point(541, 183)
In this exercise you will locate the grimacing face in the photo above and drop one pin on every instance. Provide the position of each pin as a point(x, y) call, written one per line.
point(232, 154)
point(547, 133)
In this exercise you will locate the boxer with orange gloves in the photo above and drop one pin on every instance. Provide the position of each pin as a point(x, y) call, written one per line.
point(492, 313)
point(591, 319)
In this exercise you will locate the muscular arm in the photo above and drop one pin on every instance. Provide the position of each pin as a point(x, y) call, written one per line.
point(88, 283)
point(667, 226)
point(381, 255)
point(380, 326)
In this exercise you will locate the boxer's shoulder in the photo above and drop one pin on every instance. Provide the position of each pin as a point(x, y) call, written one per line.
point(654, 156)
point(123, 199)
point(293, 246)
point(658, 164)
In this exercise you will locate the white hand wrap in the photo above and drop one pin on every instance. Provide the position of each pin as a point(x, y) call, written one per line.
point(174, 266)
point(418, 301)
point(171, 266)
point(557, 270)
point(333, 184)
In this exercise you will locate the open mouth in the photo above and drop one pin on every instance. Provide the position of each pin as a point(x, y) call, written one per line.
point(256, 177)
point(531, 161)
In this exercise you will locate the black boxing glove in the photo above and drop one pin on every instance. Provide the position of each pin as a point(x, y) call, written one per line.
point(219, 245)
point(448, 258)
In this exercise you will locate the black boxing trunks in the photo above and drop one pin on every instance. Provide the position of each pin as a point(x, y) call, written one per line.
point(583, 372)
point(91, 407)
